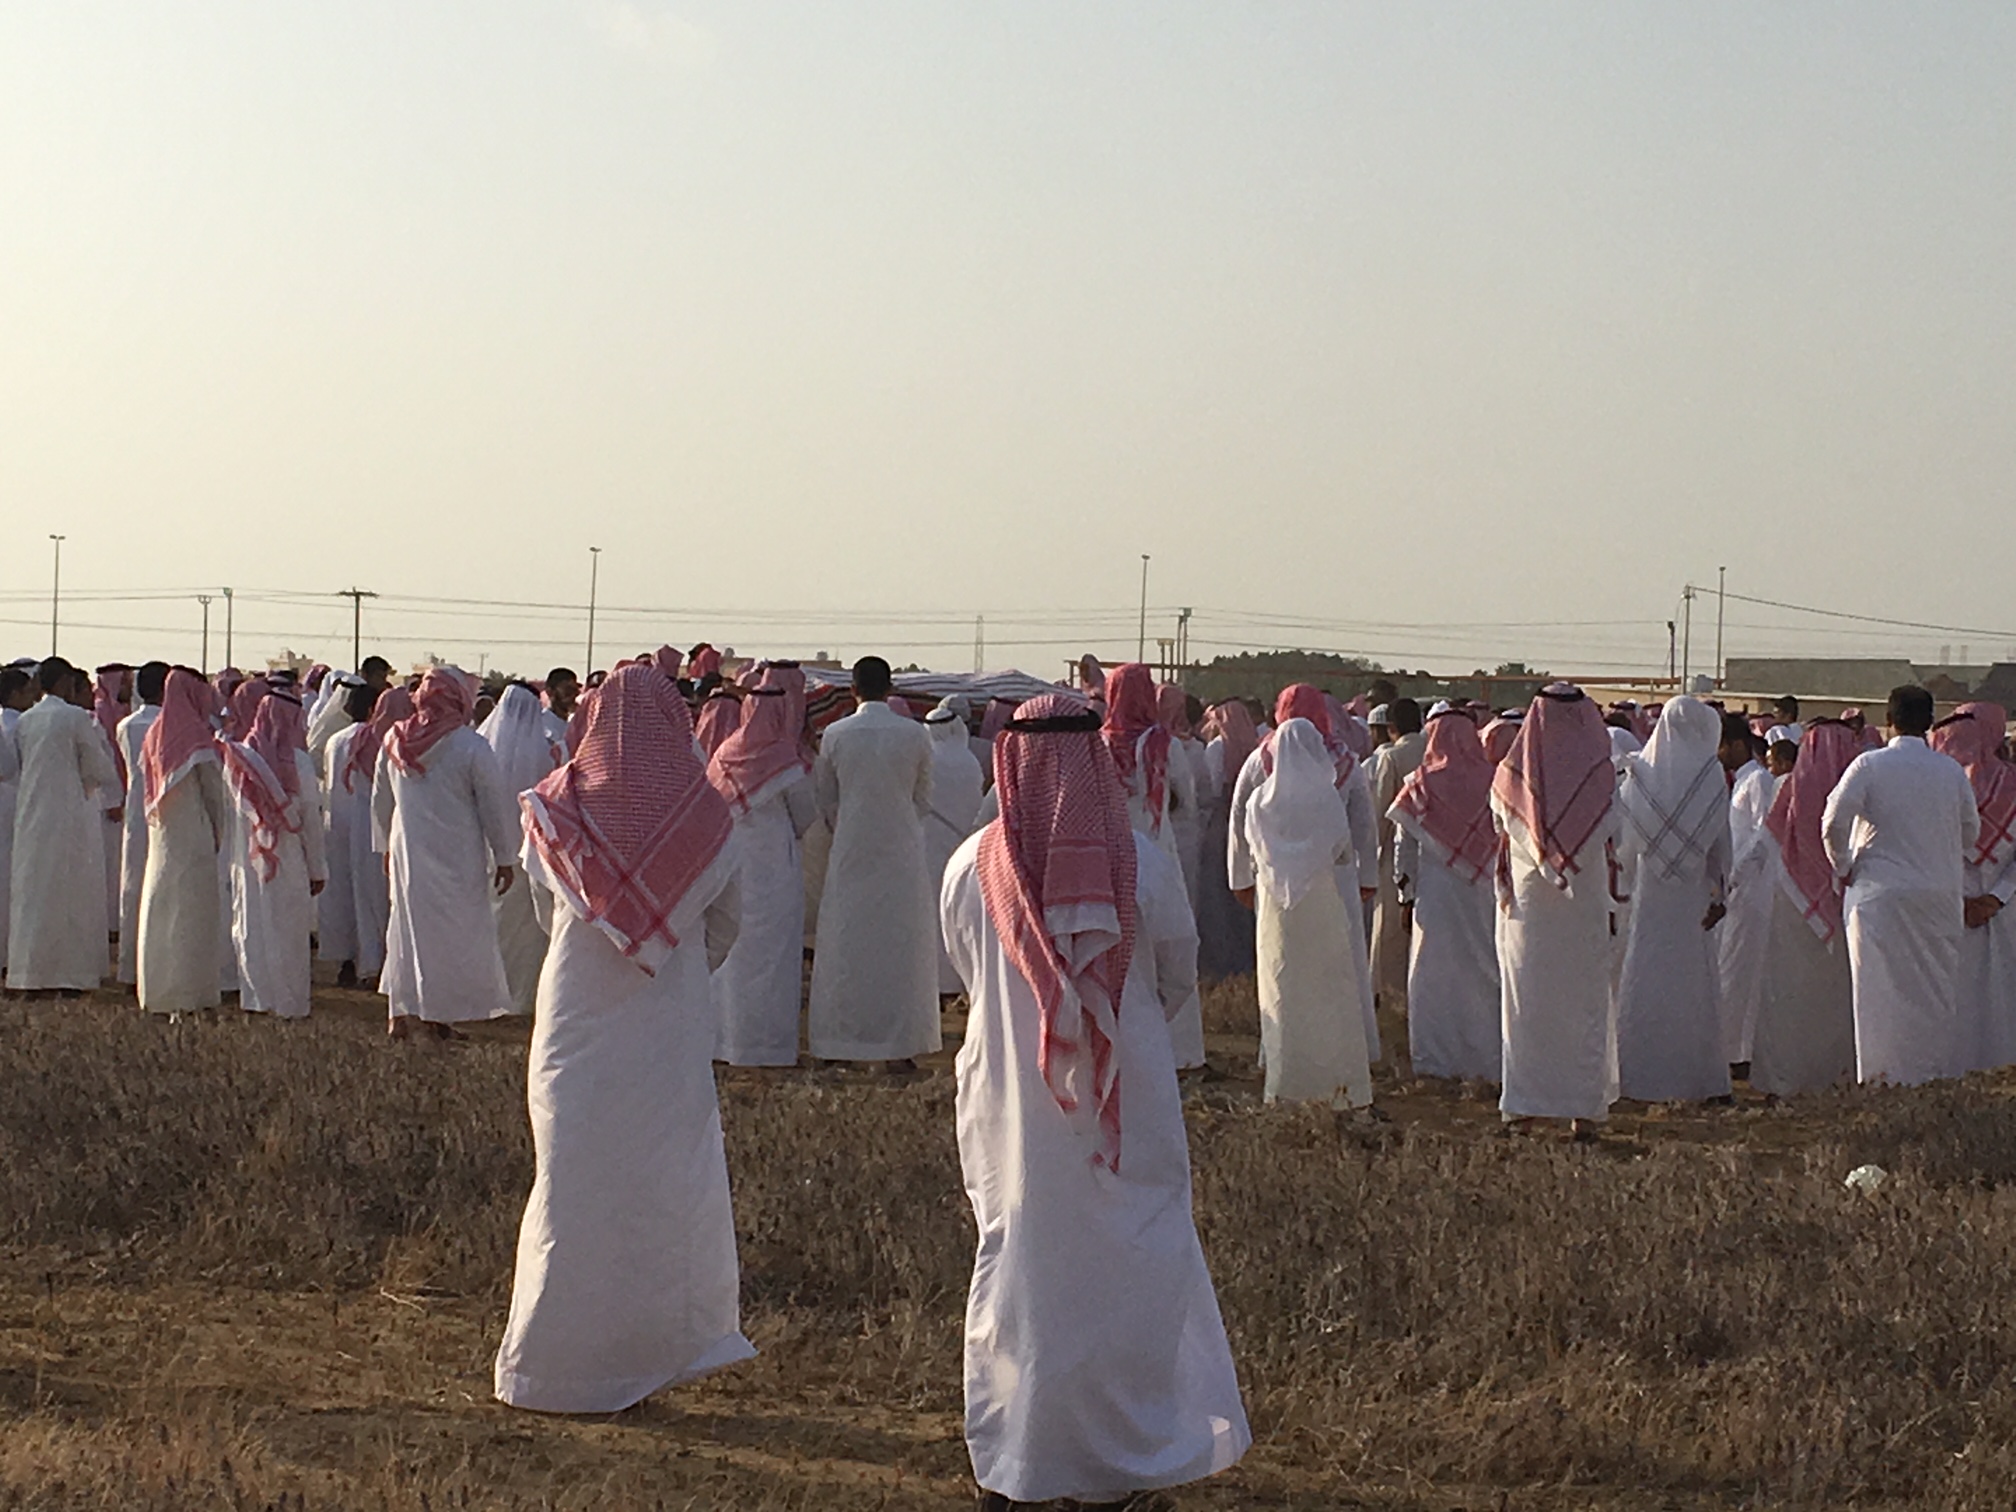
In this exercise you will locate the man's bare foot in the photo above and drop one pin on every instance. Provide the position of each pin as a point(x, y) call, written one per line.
point(1584, 1130)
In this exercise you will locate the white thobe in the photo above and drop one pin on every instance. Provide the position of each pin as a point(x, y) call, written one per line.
point(955, 802)
point(133, 838)
point(176, 963)
point(1353, 877)
point(1987, 994)
point(1805, 1039)
point(626, 1277)
point(357, 903)
point(760, 987)
point(1898, 827)
point(1453, 992)
point(1557, 1022)
point(1189, 815)
point(1742, 938)
point(1392, 765)
point(875, 969)
point(1669, 1015)
point(57, 923)
point(113, 832)
point(10, 788)
point(1179, 793)
point(276, 915)
point(1312, 1020)
point(445, 830)
point(1224, 928)
point(1096, 1360)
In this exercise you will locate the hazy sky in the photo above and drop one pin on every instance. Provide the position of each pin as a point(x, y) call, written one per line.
point(1445, 333)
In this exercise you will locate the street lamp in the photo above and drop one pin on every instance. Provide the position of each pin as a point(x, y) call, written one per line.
point(594, 574)
point(55, 593)
point(1141, 645)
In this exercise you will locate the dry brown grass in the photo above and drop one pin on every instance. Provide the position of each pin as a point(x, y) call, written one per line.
point(250, 1264)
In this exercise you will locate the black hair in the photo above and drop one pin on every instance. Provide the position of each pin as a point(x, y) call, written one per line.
point(360, 701)
point(12, 681)
point(1404, 714)
point(872, 678)
point(150, 680)
point(1786, 705)
point(1910, 710)
point(53, 673)
point(1785, 750)
point(1734, 728)
point(374, 664)
point(1382, 690)
point(562, 674)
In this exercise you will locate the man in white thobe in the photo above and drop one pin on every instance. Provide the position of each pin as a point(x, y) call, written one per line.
point(57, 924)
point(875, 967)
point(1392, 764)
point(1745, 934)
point(188, 814)
point(1898, 829)
point(955, 802)
point(17, 693)
point(147, 685)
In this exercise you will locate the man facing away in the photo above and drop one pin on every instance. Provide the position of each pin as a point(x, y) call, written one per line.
point(148, 683)
point(875, 963)
point(57, 924)
point(1898, 829)
point(1392, 764)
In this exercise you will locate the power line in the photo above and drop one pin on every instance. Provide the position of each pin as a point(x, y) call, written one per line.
point(1874, 619)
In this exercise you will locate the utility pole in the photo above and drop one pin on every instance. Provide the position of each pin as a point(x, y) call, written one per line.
point(979, 643)
point(1141, 645)
point(1686, 636)
point(228, 616)
point(1183, 638)
point(1672, 654)
point(356, 597)
point(203, 662)
point(55, 594)
point(594, 575)
point(1721, 599)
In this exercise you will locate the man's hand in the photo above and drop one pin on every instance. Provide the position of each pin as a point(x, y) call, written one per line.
point(504, 876)
point(315, 886)
point(117, 815)
point(1367, 894)
point(1407, 918)
point(1980, 910)
point(1245, 897)
point(1717, 912)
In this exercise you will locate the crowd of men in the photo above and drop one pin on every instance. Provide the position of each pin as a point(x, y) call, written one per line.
point(1573, 904)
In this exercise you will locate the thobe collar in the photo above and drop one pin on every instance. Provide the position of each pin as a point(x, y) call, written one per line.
point(1904, 740)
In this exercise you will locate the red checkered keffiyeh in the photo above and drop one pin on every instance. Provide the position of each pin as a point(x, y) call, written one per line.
point(1233, 722)
point(442, 707)
point(1794, 821)
point(1135, 737)
point(255, 784)
point(767, 747)
point(279, 729)
point(1301, 701)
point(1558, 777)
point(393, 705)
point(1449, 794)
point(1972, 735)
point(180, 738)
point(1057, 876)
point(720, 717)
point(631, 823)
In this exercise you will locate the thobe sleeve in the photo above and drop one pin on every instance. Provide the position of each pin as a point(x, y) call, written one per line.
point(312, 838)
point(1406, 860)
point(94, 765)
point(1182, 779)
point(534, 867)
point(209, 780)
point(1837, 820)
point(2002, 887)
point(724, 921)
point(1165, 925)
point(1970, 815)
point(801, 806)
point(1238, 850)
point(496, 808)
point(382, 803)
point(1718, 860)
point(826, 784)
point(920, 784)
point(10, 757)
point(955, 913)
point(1364, 826)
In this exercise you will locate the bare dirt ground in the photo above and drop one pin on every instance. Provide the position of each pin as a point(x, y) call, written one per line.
point(259, 1265)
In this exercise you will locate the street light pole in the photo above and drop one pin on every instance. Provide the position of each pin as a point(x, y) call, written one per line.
point(1721, 599)
point(1141, 645)
point(1686, 636)
point(356, 597)
point(229, 617)
point(55, 594)
point(594, 577)
point(204, 661)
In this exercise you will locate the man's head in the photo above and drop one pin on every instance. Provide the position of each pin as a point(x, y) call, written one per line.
point(1910, 710)
point(150, 680)
point(1404, 714)
point(61, 680)
point(376, 672)
point(1735, 750)
point(872, 679)
point(563, 688)
point(17, 689)
point(1781, 758)
point(359, 702)
point(1786, 708)
point(1382, 691)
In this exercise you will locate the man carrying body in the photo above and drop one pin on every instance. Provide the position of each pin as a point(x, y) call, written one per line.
point(1898, 829)
point(875, 965)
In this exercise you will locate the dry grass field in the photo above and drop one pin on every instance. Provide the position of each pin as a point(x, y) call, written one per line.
point(247, 1264)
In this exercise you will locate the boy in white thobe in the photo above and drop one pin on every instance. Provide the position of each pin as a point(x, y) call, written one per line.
point(176, 958)
point(1898, 830)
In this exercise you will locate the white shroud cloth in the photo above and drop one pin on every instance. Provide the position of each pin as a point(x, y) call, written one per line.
point(1673, 833)
point(57, 925)
point(1453, 991)
point(274, 916)
point(177, 961)
point(1560, 1043)
point(955, 803)
point(1312, 1025)
point(444, 829)
point(626, 1277)
point(760, 987)
point(518, 732)
point(875, 968)
point(1096, 1360)
point(132, 838)
point(1898, 827)
point(1743, 946)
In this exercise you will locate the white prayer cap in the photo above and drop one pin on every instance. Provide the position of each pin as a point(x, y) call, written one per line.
point(1781, 732)
point(1379, 717)
point(1440, 706)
